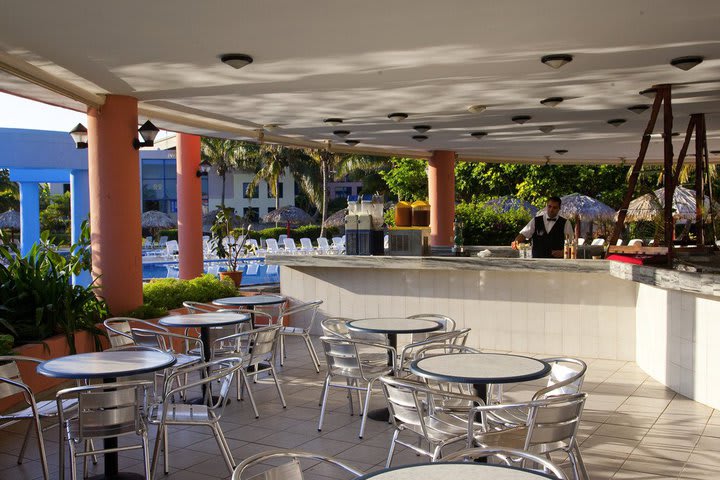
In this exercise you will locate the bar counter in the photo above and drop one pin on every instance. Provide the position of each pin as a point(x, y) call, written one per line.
point(665, 320)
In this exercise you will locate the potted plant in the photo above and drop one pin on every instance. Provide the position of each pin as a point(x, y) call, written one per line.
point(228, 246)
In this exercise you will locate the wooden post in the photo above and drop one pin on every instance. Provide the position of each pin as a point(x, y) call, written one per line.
point(668, 167)
point(684, 149)
point(699, 171)
point(636, 170)
point(709, 184)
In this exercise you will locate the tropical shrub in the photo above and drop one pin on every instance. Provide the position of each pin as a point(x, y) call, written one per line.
point(6, 344)
point(168, 293)
point(171, 233)
point(488, 226)
point(37, 298)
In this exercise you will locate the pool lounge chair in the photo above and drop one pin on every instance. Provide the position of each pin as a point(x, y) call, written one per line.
point(306, 246)
point(291, 247)
point(252, 247)
point(324, 247)
point(272, 247)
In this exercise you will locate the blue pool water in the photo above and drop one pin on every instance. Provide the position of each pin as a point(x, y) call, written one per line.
point(250, 276)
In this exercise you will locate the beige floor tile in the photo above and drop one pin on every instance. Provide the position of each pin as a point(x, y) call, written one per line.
point(621, 431)
point(670, 439)
point(609, 444)
point(699, 472)
point(654, 465)
point(632, 419)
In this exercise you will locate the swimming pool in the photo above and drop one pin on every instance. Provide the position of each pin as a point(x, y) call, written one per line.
point(255, 272)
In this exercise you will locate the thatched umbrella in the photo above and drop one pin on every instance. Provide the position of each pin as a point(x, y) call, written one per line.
point(10, 220)
point(650, 205)
point(337, 219)
point(290, 215)
point(154, 220)
point(587, 208)
point(508, 203)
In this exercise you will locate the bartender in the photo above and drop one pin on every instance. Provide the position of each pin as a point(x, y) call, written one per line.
point(547, 231)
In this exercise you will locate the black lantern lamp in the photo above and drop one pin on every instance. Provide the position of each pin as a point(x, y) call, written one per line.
point(204, 169)
point(79, 136)
point(148, 132)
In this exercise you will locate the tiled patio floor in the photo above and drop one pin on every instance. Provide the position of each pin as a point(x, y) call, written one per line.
point(633, 428)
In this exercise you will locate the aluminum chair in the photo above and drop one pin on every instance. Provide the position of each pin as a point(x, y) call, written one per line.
point(106, 410)
point(335, 327)
point(291, 470)
point(345, 361)
point(11, 383)
point(508, 456)
point(551, 425)
point(433, 349)
point(257, 350)
point(411, 410)
point(301, 309)
point(169, 413)
point(407, 352)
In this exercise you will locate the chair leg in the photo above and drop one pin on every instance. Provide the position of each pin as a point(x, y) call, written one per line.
point(26, 439)
point(312, 352)
point(224, 447)
point(367, 405)
point(73, 460)
point(61, 452)
point(277, 385)
point(282, 349)
point(156, 449)
point(392, 448)
point(146, 454)
point(246, 381)
point(166, 451)
point(41, 447)
point(578, 464)
point(326, 388)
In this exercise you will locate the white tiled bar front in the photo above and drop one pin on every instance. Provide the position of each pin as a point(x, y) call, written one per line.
point(585, 308)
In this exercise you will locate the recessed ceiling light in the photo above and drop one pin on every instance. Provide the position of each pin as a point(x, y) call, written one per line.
point(521, 118)
point(236, 60)
point(333, 121)
point(686, 63)
point(476, 108)
point(616, 122)
point(649, 92)
point(397, 116)
point(556, 60)
point(638, 109)
point(561, 151)
point(352, 143)
point(715, 152)
point(546, 128)
point(341, 133)
point(478, 135)
point(552, 101)
point(420, 138)
point(422, 128)
point(270, 127)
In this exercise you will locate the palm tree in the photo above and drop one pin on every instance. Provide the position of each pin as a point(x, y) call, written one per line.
point(227, 155)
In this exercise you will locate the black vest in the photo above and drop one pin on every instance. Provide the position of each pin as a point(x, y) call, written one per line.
point(543, 243)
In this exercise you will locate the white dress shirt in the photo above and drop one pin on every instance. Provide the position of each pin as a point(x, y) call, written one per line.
point(529, 229)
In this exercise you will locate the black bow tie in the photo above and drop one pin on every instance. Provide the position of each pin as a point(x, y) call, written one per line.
point(551, 219)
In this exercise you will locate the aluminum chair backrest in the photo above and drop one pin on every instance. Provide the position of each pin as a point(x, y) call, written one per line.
point(199, 307)
point(263, 342)
point(506, 456)
point(554, 422)
point(566, 377)
point(342, 357)
point(403, 402)
point(300, 308)
point(335, 327)
point(119, 331)
point(9, 373)
point(109, 413)
point(291, 470)
point(447, 322)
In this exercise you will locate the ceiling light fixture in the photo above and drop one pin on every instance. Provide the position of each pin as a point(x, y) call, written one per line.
point(476, 108)
point(352, 143)
point(203, 169)
point(638, 109)
point(148, 132)
point(715, 152)
point(561, 151)
point(420, 138)
point(422, 128)
point(478, 135)
point(398, 116)
point(616, 122)
point(649, 92)
point(556, 60)
point(80, 136)
point(236, 60)
point(552, 101)
point(341, 133)
point(333, 121)
point(686, 63)
point(546, 128)
point(271, 127)
point(521, 118)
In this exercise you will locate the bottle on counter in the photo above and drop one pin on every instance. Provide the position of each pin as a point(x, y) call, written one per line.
point(458, 241)
point(566, 249)
point(573, 249)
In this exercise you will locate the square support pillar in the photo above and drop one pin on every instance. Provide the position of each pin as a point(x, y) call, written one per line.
point(189, 193)
point(441, 193)
point(29, 215)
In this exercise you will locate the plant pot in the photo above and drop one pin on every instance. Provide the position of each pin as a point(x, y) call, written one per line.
point(235, 275)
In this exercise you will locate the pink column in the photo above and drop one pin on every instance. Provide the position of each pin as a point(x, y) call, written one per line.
point(189, 206)
point(114, 181)
point(441, 193)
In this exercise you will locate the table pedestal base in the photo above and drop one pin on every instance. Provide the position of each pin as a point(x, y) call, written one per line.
point(119, 476)
point(379, 415)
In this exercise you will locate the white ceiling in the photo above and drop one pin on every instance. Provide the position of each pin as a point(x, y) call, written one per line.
point(361, 60)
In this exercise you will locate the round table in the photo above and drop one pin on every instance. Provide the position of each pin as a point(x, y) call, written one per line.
point(480, 369)
point(108, 366)
point(250, 302)
point(392, 327)
point(204, 321)
point(456, 471)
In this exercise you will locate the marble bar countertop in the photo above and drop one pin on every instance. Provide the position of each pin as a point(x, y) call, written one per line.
point(698, 283)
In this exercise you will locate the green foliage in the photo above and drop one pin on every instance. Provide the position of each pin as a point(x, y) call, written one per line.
point(407, 179)
point(389, 217)
point(56, 216)
point(171, 233)
point(37, 298)
point(6, 344)
point(146, 312)
point(488, 226)
point(221, 229)
point(169, 293)
point(273, 232)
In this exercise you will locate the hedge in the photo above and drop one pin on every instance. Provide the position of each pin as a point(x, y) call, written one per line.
point(488, 226)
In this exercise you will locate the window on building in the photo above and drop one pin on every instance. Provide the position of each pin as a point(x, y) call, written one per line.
point(342, 192)
point(280, 191)
point(252, 214)
point(245, 191)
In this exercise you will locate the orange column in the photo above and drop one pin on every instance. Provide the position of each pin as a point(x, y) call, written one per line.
point(189, 206)
point(114, 181)
point(441, 192)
